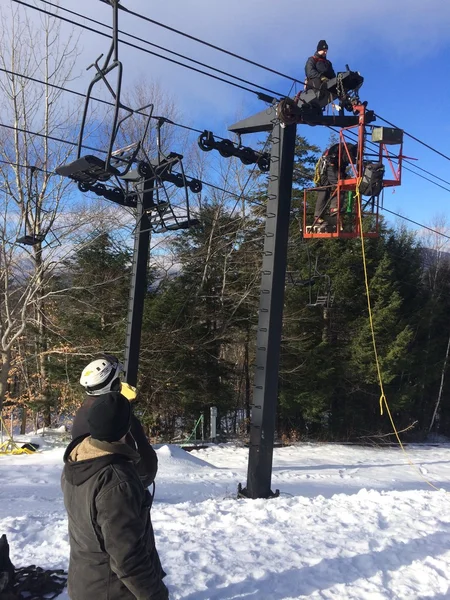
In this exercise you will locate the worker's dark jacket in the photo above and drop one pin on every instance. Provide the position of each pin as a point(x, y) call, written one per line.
point(147, 466)
point(112, 545)
point(316, 67)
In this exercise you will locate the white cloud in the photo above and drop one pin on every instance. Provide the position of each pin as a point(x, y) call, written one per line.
point(280, 34)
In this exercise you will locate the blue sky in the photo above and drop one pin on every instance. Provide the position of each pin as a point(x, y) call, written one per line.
point(401, 49)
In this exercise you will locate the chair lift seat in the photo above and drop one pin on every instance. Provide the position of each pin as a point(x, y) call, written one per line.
point(87, 169)
point(31, 240)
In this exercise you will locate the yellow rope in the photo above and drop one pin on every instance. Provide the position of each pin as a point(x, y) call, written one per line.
point(383, 399)
point(316, 179)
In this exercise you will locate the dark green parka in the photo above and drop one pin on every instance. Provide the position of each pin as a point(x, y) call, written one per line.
point(112, 544)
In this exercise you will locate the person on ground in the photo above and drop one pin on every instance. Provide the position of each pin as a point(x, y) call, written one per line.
point(99, 377)
point(113, 554)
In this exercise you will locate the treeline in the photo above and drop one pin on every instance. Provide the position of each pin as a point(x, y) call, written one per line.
point(199, 332)
point(65, 297)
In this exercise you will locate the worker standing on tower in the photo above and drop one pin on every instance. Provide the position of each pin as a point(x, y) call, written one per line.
point(318, 68)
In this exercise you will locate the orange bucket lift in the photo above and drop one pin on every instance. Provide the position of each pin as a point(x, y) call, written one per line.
point(359, 186)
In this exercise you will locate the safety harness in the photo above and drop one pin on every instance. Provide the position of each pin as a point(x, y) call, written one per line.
point(30, 583)
point(321, 168)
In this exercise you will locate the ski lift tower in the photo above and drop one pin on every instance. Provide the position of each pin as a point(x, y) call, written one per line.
point(281, 121)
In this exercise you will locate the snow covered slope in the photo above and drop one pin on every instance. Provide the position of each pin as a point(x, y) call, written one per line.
point(351, 523)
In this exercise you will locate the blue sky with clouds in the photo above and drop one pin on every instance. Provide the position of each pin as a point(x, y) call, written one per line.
point(401, 48)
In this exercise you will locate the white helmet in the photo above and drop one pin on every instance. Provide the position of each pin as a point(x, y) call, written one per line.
point(100, 375)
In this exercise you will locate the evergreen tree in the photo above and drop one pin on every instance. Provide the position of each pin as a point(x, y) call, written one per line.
point(90, 316)
point(190, 323)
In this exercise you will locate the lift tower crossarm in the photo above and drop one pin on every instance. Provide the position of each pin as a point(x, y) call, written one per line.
point(262, 121)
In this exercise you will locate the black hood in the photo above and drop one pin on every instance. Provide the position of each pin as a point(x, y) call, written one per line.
point(77, 472)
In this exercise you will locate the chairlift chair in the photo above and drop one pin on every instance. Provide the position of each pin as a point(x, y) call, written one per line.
point(324, 296)
point(115, 176)
point(31, 239)
point(90, 169)
point(31, 236)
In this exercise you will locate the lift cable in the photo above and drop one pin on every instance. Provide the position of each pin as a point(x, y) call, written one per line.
point(236, 195)
point(235, 55)
point(83, 95)
point(205, 43)
point(153, 45)
point(239, 196)
point(183, 126)
point(49, 137)
point(60, 140)
point(87, 28)
point(32, 167)
point(264, 67)
point(416, 223)
point(413, 137)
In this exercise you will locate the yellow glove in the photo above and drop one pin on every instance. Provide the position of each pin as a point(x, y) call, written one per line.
point(128, 391)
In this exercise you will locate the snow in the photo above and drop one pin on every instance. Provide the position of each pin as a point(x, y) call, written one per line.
point(350, 523)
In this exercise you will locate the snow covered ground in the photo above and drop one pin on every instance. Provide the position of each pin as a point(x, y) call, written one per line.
point(351, 522)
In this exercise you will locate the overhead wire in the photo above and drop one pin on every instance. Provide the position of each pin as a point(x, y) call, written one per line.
point(413, 137)
point(405, 160)
point(259, 65)
point(416, 223)
point(208, 44)
point(181, 125)
point(19, 166)
point(199, 40)
point(50, 137)
point(237, 195)
point(426, 178)
point(403, 166)
point(425, 171)
point(87, 28)
point(168, 120)
point(153, 45)
point(107, 102)
point(62, 141)
point(204, 42)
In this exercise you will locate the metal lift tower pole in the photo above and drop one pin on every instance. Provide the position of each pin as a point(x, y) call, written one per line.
point(138, 287)
point(265, 389)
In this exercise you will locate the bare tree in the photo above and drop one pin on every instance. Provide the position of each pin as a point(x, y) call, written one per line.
point(437, 252)
point(34, 58)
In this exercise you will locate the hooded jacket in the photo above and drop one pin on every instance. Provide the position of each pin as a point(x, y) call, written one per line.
point(148, 464)
point(112, 544)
